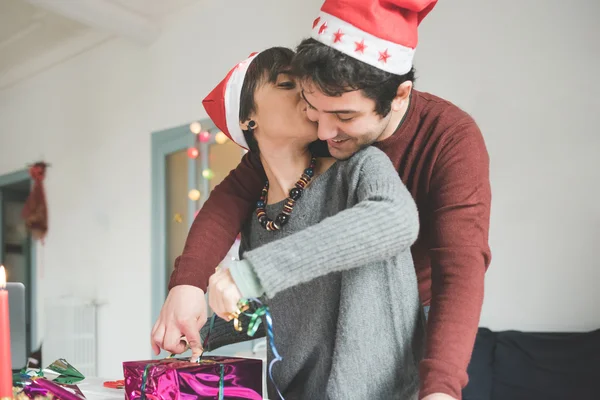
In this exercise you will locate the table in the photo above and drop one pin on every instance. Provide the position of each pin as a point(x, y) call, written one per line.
point(93, 389)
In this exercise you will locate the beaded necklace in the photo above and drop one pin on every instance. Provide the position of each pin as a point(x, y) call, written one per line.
point(295, 194)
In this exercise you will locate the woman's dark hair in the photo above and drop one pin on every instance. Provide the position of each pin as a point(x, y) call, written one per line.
point(336, 73)
point(265, 68)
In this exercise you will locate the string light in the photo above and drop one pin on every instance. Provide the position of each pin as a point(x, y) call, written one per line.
point(204, 137)
point(192, 152)
point(194, 195)
point(221, 138)
point(195, 127)
point(208, 174)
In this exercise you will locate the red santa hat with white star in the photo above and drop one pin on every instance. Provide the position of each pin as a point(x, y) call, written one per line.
point(381, 33)
point(223, 103)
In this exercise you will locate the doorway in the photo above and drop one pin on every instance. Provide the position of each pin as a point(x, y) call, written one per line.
point(17, 250)
point(187, 163)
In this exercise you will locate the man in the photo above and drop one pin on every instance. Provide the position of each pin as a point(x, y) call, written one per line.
point(358, 61)
point(338, 269)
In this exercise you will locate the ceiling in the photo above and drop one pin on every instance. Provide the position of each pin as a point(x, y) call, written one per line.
point(37, 34)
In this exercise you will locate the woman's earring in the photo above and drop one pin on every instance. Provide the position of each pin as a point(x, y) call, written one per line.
point(251, 126)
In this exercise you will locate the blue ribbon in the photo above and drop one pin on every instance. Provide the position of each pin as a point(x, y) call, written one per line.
point(221, 383)
point(253, 325)
point(144, 381)
point(255, 320)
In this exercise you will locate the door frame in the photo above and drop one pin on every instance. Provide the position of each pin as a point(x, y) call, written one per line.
point(164, 143)
point(6, 180)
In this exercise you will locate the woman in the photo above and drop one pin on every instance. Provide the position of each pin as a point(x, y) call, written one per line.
point(328, 249)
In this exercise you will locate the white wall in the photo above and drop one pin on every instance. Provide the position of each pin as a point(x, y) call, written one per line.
point(91, 118)
point(527, 71)
point(534, 93)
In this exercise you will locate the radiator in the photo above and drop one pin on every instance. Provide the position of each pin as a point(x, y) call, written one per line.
point(71, 333)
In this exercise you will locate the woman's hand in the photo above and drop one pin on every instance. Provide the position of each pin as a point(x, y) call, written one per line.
point(182, 315)
point(223, 294)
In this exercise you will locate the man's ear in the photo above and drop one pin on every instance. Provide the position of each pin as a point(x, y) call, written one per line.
point(402, 96)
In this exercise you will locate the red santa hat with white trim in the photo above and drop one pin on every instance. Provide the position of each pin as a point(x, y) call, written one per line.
point(381, 33)
point(223, 103)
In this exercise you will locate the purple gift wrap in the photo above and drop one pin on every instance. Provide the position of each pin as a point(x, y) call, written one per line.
point(179, 379)
point(44, 387)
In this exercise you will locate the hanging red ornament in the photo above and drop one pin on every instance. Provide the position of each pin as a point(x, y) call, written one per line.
point(192, 152)
point(204, 137)
point(35, 212)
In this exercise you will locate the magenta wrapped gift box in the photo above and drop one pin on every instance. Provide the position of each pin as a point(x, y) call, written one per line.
point(179, 379)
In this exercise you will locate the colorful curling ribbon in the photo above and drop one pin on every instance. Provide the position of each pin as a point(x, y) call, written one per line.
point(255, 320)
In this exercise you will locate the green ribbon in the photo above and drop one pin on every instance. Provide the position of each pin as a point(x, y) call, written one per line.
point(255, 320)
point(68, 374)
point(144, 380)
point(256, 317)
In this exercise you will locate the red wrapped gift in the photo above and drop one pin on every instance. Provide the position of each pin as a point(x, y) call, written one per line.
point(211, 378)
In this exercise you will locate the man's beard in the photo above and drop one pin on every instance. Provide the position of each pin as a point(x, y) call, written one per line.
point(344, 157)
point(372, 136)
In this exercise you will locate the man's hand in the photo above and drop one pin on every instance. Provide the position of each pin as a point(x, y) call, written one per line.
point(183, 314)
point(438, 396)
point(223, 294)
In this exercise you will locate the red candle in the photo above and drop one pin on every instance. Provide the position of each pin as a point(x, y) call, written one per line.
point(5, 358)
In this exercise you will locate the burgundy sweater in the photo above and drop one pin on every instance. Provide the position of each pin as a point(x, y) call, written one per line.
point(441, 157)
